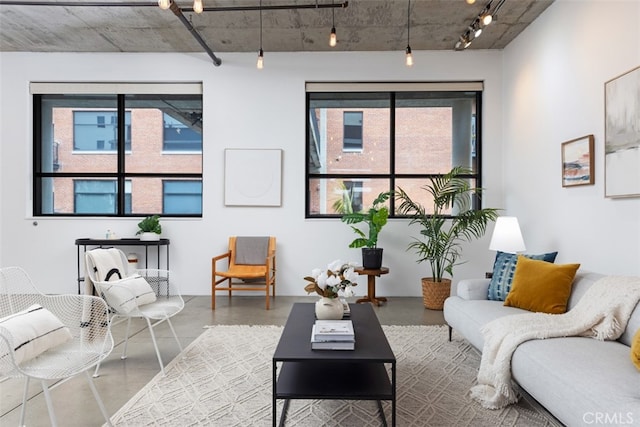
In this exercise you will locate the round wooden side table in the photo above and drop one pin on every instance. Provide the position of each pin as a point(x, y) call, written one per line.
point(371, 274)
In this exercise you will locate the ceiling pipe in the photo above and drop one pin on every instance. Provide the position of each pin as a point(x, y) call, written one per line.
point(178, 12)
point(342, 5)
point(77, 3)
point(316, 5)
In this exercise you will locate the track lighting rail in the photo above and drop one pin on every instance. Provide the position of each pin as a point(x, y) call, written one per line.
point(475, 29)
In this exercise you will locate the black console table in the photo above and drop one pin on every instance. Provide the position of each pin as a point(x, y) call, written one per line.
point(109, 243)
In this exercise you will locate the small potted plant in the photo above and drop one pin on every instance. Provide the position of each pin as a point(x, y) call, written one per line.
point(375, 218)
point(150, 228)
point(441, 232)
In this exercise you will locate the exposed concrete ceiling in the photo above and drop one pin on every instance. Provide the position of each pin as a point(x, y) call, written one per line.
point(364, 25)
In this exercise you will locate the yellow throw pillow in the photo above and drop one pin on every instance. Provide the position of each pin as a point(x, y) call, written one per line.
point(541, 286)
point(635, 349)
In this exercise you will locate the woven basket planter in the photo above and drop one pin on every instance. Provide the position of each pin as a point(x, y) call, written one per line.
point(434, 293)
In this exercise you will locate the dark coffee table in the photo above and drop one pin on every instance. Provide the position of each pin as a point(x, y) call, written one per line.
point(359, 374)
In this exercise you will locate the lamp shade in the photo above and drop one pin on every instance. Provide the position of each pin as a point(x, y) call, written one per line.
point(507, 236)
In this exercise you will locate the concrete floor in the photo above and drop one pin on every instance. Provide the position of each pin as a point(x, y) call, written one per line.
point(119, 380)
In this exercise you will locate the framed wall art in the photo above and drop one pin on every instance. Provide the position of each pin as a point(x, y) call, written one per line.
point(252, 177)
point(622, 135)
point(577, 162)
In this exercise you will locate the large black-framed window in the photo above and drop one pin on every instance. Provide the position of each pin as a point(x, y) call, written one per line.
point(406, 134)
point(106, 154)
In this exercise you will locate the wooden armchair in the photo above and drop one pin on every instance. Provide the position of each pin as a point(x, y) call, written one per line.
point(251, 266)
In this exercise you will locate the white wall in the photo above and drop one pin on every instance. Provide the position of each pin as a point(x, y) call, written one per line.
point(545, 88)
point(554, 75)
point(243, 108)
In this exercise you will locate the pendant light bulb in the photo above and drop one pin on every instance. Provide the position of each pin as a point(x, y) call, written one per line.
point(471, 1)
point(260, 63)
point(333, 39)
point(487, 19)
point(409, 56)
point(164, 4)
point(197, 6)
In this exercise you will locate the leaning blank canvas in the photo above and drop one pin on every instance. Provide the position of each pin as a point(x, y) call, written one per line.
point(252, 177)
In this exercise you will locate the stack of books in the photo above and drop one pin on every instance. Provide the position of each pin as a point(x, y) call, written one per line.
point(333, 335)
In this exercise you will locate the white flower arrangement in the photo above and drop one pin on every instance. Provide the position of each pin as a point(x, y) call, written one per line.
point(338, 277)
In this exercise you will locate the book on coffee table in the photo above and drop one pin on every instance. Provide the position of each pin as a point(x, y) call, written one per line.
point(333, 345)
point(331, 341)
point(333, 330)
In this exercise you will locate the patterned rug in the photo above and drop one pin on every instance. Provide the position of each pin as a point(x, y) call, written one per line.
point(223, 378)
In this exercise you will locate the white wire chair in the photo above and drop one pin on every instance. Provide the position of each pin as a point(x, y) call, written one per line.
point(168, 301)
point(87, 320)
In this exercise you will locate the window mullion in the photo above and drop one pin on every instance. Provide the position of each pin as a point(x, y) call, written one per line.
point(392, 150)
point(121, 155)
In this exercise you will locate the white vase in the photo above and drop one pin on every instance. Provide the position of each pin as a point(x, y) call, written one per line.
point(149, 237)
point(329, 309)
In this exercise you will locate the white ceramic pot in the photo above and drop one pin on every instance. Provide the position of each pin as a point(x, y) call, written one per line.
point(329, 309)
point(148, 237)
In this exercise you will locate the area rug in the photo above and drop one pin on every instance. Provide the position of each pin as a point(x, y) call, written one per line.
point(223, 378)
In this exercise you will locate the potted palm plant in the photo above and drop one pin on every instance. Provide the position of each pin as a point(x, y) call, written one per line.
point(452, 222)
point(375, 218)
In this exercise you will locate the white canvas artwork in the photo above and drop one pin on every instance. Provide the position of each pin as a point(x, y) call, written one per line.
point(252, 177)
point(622, 135)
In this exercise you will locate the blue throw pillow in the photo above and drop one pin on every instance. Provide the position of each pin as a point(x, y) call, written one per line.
point(503, 269)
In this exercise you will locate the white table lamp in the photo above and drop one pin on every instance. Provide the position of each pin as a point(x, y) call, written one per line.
point(507, 236)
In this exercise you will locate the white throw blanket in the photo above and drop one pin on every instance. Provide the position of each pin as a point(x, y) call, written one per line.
point(103, 261)
point(602, 313)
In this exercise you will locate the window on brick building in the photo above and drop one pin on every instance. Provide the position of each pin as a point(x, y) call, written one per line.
point(107, 149)
point(352, 133)
point(182, 135)
point(182, 197)
point(98, 130)
point(386, 135)
point(99, 196)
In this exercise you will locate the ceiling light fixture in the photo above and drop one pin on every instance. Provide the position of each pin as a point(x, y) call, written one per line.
point(197, 6)
point(260, 63)
point(463, 42)
point(473, 31)
point(164, 4)
point(471, 1)
point(408, 54)
point(333, 39)
point(477, 29)
point(487, 19)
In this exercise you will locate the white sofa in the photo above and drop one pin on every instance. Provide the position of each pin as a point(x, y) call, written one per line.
point(580, 381)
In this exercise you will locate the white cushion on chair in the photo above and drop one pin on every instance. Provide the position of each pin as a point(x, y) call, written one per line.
point(126, 294)
point(34, 331)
